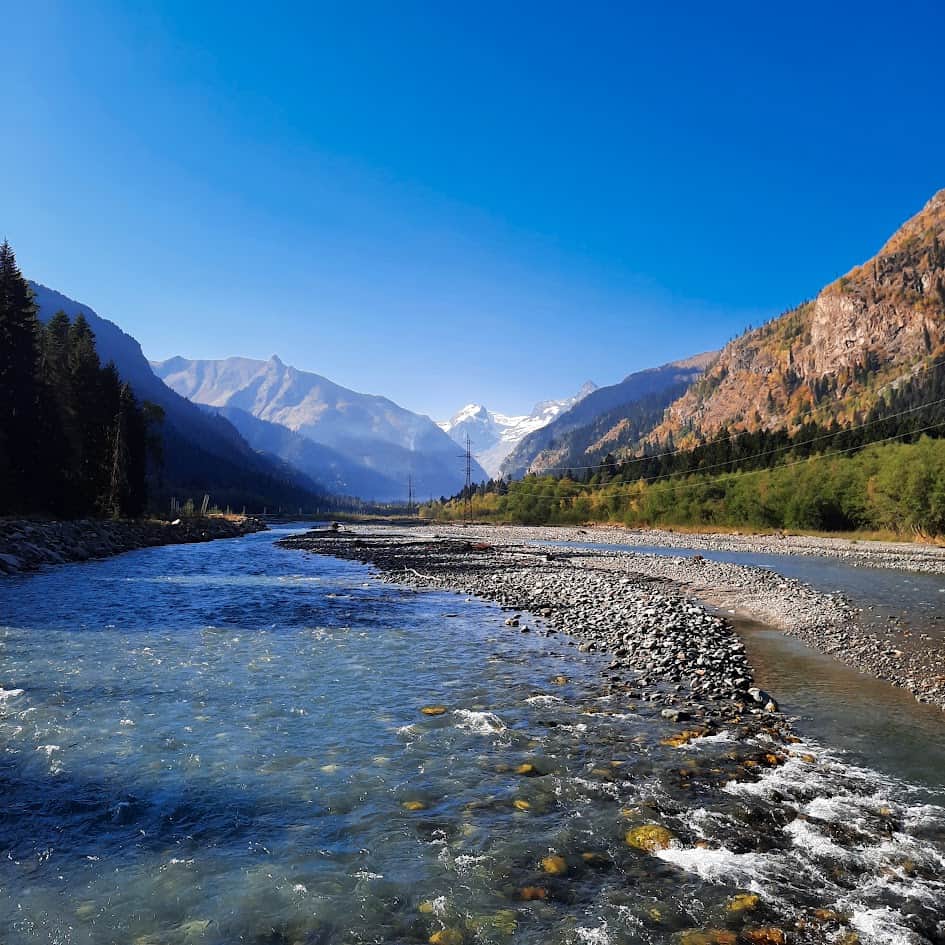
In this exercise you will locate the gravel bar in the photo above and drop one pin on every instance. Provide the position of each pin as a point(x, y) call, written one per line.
point(648, 611)
point(663, 647)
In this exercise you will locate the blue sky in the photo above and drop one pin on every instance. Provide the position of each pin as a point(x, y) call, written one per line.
point(450, 202)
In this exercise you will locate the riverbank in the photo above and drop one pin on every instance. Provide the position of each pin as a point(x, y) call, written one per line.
point(408, 768)
point(663, 648)
point(905, 555)
point(635, 606)
point(29, 544)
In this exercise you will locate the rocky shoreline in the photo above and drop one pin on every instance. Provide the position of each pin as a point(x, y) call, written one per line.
point(663, 648)
point(26, 545)
point(645, 610)
point(828, 622)
point(904, 555)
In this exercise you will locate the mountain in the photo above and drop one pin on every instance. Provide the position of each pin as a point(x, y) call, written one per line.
point(494, 435)
point(202, 453)
point(832, 358)
point(332, 469)
point(607, 419)
point(374, 442)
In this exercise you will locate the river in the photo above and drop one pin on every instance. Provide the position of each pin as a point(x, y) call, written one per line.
point(224, 743)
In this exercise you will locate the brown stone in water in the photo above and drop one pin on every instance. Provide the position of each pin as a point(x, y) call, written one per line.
point(528, 893)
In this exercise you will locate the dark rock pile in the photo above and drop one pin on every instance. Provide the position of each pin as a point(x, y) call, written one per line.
point(26, 545)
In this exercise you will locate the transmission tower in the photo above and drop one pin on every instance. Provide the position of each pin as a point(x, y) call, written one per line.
point(467, 492)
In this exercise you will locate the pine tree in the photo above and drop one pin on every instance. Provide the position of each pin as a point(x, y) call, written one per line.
point(19, 359)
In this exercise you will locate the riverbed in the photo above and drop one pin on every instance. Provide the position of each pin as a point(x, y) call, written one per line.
point(226, 743)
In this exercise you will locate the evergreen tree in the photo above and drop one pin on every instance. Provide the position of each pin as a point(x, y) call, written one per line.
point(19, 359)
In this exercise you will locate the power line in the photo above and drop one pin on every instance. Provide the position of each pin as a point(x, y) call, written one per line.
point(699, 482)
point(774, 450)
point(731, 436)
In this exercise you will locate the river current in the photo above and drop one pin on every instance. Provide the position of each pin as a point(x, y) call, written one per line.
point(225, 743)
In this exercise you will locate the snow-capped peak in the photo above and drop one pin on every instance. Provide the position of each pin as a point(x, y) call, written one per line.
point(494, 435)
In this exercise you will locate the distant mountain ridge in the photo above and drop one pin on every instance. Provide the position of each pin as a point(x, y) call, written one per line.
point(494, 435)
point(606, 420)
point(829, 359)
point(373, 442)
point(201, 453)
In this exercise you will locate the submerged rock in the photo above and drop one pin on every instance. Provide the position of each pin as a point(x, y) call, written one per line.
point(649, 838)
point(528, 770)
point(446, 937)
point(554, 865)
point(765, 936)
point(530, 893)
point(707, 937)
point(744, 902)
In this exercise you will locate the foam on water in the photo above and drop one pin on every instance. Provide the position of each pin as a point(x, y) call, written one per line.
point(279, 782)
point(481, 723)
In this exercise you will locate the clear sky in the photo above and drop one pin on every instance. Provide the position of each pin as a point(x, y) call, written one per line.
point(446, 202)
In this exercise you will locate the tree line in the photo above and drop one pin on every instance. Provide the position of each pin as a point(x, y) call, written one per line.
point(74, 440)
point(820, 478)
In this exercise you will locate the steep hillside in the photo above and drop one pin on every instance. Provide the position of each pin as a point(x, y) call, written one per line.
point(830, 358)
point(201, 453)
point(495, 435)
point(372, 433)
point(332, 469)
point(606, 419)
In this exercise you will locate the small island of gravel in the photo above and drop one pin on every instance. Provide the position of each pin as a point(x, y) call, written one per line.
point(660, 618)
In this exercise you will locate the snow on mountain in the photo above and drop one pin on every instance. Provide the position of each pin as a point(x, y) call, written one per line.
point(494, 435)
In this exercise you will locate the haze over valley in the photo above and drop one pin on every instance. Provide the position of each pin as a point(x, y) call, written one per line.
point(472, 474)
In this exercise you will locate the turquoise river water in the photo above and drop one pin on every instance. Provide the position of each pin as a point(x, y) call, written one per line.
point(223, 743)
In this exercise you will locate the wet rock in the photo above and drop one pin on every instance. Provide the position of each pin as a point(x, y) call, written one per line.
point(434, 710)
point(762, 698)
point(684, 737)
point(744, 902)
point(765, 936)
point(554, 865)
point(447, 936)
point(707, 937)
point(531, 893)
point(676, 715)
point(649, 838)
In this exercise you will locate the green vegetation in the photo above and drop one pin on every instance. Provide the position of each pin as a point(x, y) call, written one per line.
point(886, 473)
point(73, 438)
point(898, 487)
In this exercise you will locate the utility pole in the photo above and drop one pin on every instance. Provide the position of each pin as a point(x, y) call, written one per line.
point(410, 494)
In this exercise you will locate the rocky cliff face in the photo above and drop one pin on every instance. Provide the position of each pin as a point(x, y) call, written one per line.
point(829, 358)
point(605, 419)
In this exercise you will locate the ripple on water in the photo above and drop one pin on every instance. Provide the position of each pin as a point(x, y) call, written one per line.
point(244, 758)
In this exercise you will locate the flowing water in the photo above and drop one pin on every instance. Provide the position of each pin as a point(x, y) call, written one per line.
point(875, 723)
point(887, 595)
point(223, 743)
